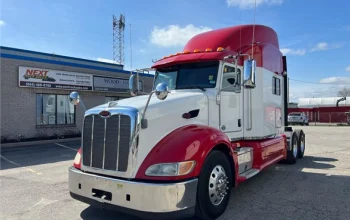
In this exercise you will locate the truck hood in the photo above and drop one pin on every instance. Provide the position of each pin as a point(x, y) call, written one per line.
point(175, 101)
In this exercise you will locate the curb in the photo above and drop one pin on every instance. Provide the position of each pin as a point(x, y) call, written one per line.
point(30, 143)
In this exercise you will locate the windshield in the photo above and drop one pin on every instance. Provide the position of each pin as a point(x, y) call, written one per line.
point(187, 76)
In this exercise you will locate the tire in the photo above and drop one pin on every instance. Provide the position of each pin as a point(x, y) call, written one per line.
point(301, 143)
point(293, 153)
point(206, 208)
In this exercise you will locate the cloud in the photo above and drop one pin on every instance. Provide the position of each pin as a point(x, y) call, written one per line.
point(298, 91)
point(105, 60)
point(298, 52)
point(347, 69)
point(2, 23)
point(249, 4)
point(323, 46)
point(174, 35)
point(336, 80)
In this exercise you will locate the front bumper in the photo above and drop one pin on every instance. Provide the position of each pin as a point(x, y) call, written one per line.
point(133, 197)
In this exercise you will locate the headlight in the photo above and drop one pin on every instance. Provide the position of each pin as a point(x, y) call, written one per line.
point(170, 169)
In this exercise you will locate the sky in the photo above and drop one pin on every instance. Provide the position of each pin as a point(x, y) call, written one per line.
point(313, 34)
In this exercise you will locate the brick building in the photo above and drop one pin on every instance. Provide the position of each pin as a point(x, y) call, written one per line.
point(35, 88)
point(324, 110)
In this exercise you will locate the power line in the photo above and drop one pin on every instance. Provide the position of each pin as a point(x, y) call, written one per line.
point(318, 82)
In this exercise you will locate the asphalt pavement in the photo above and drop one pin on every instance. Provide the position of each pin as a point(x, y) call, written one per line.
point(33, 184)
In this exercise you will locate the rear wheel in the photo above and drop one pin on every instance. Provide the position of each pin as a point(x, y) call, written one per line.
point(301, 143)
point(214, 186)
point(292, 154)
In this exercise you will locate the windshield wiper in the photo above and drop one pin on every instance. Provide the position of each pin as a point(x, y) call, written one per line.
point(192, 86)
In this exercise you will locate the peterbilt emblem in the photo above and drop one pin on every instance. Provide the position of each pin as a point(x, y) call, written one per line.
point(223, 127)
point(105, 114)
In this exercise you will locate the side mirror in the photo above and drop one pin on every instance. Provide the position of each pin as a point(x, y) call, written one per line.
point(162, 91)
point(249, 73)
point(132, 88)
point(74, 98)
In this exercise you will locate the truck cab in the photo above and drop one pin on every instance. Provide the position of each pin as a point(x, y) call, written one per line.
point(217, 115)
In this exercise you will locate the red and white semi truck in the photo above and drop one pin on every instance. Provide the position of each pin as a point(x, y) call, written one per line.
point(217, 116)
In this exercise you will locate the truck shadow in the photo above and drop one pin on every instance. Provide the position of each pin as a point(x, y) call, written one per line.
point(277, 193)
point(25, 156)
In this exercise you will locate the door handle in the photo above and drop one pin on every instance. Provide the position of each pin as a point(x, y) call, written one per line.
point(239, 122)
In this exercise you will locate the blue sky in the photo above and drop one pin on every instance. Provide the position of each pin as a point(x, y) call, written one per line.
point(315, 35)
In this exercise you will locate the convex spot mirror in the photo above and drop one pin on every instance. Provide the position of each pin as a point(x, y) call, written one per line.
point(74, 98)
point(162, 91)
point(249, 73)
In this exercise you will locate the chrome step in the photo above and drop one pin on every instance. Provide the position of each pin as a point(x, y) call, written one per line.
point(250, 173)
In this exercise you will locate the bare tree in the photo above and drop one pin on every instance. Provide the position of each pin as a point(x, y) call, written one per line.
point(344, 92)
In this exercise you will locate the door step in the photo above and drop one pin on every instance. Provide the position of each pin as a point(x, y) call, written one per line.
point(250, 173)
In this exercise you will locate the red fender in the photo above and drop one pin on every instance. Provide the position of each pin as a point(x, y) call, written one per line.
point(190, 142)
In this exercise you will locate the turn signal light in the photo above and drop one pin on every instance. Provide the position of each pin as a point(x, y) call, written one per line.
point(208, 50)
point(220, 49)
point(196, 51)
point(185, 167)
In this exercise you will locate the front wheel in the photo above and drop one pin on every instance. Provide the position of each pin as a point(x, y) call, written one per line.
point(214, 186)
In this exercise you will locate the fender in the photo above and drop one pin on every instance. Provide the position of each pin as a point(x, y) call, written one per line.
point(190, 142)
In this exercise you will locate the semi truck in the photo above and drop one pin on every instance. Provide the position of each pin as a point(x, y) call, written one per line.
point(216, 117)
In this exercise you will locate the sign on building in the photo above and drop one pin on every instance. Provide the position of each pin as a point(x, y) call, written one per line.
point(53, 79)
point(112, 84)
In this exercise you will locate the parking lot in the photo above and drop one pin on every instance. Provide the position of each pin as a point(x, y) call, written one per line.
point(34, 184)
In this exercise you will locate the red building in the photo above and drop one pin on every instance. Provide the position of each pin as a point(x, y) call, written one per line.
point(324, 110)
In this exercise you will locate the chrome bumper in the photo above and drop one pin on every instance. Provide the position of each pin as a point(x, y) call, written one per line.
point(145, 197)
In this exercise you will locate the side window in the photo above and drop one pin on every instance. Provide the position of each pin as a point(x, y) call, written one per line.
point(276, 86)
point(230, 78)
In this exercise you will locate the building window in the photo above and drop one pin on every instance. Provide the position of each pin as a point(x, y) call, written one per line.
point(276, 86)
point(54, 109)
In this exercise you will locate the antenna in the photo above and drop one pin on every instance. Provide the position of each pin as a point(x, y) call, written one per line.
point(118, 39)
point(253, 32)
point(130, 52)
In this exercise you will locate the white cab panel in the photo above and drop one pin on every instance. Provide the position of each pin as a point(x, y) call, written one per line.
point(263, 109)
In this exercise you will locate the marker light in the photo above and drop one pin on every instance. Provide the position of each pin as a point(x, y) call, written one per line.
point(77, 160)
point(186, 51)
point(208, 50)
point(196, 51)
point(171, 55)
point(178, 53)
point(220, 49)
point(171, 169)
point(165, 57)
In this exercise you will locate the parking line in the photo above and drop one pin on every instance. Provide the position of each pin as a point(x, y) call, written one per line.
point(19, 165)
point(61, 145)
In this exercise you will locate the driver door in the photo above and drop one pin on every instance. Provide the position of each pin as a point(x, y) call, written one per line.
point(231, 108)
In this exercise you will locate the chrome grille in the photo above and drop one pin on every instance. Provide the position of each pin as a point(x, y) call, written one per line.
point(106, 142)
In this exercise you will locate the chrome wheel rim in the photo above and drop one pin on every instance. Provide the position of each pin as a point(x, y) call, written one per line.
point(218, 185)
point(295, 149)
point(302, 145)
